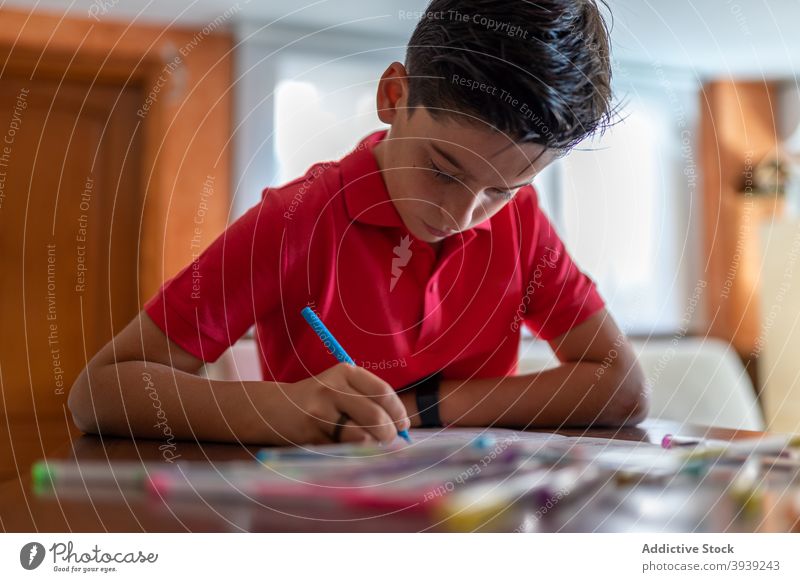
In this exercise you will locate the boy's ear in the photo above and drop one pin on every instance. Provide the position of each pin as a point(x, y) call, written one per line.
point(392, 92)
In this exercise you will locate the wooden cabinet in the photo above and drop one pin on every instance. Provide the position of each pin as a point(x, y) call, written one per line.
point(69, 223)
point(116, 130)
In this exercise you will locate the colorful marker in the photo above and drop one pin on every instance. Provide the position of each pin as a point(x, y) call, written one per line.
point(232, 485)
point(65, 473)
point(476, 504)
point(774, 445)
point(671, 440)
point(335, 347)
point(746, 488)
point(52, 474)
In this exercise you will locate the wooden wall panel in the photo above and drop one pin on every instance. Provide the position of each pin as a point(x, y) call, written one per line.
point(186, 127)
point(151, 108)
point(737, 132)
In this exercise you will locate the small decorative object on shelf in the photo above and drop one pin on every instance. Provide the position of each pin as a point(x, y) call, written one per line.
point(769, 177)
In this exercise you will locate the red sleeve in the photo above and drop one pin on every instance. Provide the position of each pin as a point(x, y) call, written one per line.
point(215, 299)
point(561, 296)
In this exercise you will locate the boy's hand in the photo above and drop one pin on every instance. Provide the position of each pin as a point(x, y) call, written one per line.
point(312, 407)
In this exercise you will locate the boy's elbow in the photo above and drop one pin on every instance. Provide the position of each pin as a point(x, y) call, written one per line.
point(631, 401)
point(80, 406)
point(635, 409)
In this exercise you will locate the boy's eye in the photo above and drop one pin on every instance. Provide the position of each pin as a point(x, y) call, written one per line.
point(446, 178)
point(439, 174)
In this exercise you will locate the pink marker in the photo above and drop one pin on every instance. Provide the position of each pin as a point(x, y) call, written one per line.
point(671, 440)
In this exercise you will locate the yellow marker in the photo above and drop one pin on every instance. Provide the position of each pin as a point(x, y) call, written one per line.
point(771, 445)
point(745, 488)
point(475, 504)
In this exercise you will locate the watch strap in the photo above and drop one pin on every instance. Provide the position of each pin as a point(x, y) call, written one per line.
point(427, 396)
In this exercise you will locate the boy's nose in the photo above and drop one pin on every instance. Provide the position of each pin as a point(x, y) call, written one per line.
point(458, 216)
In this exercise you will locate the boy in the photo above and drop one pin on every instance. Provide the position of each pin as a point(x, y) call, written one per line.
point(423, 251)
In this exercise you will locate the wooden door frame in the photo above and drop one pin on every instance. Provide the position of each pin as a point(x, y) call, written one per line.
point(188, 75)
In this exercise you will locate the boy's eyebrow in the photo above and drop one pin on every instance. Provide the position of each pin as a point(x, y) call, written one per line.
point(461, 169)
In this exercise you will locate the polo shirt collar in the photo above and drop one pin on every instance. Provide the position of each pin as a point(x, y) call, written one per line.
point(365, 194)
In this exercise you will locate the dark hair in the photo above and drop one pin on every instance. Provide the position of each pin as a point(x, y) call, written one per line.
point(544, 65)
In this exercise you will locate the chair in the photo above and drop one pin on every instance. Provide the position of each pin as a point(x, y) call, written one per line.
point(692, 380)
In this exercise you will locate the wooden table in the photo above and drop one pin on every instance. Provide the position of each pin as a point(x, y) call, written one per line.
point(638, 506)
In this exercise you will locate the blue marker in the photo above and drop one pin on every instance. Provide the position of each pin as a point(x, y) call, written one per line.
point(335, 347)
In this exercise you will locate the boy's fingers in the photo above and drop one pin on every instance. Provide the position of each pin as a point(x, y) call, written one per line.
point(336, 397)
point(365, 413)
point(381, 393)
point(350, 433)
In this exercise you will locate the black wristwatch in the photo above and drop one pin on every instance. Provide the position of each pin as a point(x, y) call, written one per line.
point(427, 396)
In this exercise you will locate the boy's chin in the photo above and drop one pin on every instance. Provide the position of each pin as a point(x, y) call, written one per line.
point(426, 232)
point(425, 237)
point(416, 226)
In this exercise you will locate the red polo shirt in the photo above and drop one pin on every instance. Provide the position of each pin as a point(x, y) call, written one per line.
point(332, 239)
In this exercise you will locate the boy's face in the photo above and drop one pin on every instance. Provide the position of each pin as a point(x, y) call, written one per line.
point(446, 176)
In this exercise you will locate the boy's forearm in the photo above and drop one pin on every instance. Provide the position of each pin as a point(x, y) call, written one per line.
point(152, 400)
point(573, 394)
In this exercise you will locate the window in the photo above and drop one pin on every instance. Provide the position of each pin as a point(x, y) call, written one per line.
point(625, 204)
point(322, 111)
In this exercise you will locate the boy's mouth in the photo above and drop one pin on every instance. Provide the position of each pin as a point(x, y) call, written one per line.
point(435, 231)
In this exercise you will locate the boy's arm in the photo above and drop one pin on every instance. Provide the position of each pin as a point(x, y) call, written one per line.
point(142, 384)
point(599, 382)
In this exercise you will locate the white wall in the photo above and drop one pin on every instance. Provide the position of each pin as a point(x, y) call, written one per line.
point(630, 203)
